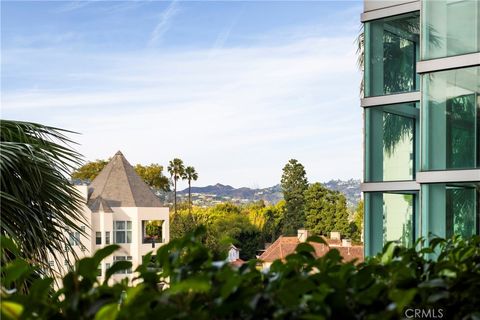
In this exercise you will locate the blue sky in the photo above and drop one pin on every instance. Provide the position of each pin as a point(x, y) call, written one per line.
point(233, 88)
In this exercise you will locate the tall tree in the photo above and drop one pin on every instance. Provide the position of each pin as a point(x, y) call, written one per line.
point(37, 201)
point(326, 211)
point(342, 224)
point(190, 174)
point(294, 183)
point(176, 169)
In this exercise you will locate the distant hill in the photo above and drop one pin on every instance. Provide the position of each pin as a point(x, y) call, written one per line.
point(350, 188)
point(217, 193)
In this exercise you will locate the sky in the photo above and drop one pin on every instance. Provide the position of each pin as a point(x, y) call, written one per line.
point(233, 88)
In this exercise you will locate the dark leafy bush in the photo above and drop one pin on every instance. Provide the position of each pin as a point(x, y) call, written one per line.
point(445, 275)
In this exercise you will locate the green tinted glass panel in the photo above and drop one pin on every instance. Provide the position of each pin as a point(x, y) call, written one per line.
point(450, 115)
point(388, 217)
point(450, 209)
point(391, 52)
point(398, 218)
point(390, 142)
point(450, 27)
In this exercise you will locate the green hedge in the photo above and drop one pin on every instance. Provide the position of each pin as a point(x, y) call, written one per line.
point(302, 287)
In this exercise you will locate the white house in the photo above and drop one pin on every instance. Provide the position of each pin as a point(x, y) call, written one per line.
point(120, 208)
point(234, 256)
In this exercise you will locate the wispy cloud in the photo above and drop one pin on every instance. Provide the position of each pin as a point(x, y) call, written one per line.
point(237, 118)
point(74, 5)
point(45, 39)
point(248, 107)
point(164, 23)
point(224, 35)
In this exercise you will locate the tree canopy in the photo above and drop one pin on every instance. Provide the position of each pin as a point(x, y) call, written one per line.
point(89, 170)
point(326, 211)
point(152, 174)
point(391, 285)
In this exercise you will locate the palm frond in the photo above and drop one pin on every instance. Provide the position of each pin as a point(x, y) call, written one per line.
point(38, 203)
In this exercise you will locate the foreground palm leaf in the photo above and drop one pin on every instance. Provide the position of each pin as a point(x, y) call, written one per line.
point(37, 201)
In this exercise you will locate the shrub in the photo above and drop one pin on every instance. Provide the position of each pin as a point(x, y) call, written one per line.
point(301, 287)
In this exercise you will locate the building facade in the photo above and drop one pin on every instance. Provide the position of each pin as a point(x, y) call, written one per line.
point(421, 120)
point(119, 208)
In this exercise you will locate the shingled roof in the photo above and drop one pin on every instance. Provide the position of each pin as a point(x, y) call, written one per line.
point(118, 185)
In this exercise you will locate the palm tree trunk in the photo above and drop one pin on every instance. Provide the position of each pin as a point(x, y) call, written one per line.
point(175, 196)
point(190, 196)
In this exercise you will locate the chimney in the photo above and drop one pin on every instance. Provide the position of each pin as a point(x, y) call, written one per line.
point(346, 243)
point(334, 235)
point(302, 235)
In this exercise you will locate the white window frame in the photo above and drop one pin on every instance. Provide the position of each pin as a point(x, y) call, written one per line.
point(127, 230)
point(98, 235)
point(74, 238)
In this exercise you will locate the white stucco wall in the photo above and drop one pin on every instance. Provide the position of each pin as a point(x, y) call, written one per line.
point(103, 222)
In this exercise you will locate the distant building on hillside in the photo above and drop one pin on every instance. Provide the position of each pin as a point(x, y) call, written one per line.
point(284, 246)
point(120, 208)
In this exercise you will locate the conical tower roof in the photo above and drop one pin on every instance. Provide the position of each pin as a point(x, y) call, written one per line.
point(118, 185)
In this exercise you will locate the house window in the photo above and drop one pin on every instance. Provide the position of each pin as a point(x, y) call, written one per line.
point(82, 228)
point(152, 231)
point(74, 238)
point(99, 271)
point(122, 231)
point(107, 237)
point(123, 258)
point(107, 266)
point(65, 263)
point(51, 263)
point(98, 238)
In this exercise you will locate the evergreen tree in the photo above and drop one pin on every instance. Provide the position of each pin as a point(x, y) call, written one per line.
point(326, 211)
point(318, 209)
point(342, 224)
point(294, 183)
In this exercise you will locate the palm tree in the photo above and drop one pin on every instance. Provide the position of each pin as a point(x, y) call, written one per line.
point(38, 203)
point(190, 174)
point(177, 171)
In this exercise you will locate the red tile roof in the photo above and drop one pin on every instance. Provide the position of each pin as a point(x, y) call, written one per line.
point(237, 263)
point(284, 246)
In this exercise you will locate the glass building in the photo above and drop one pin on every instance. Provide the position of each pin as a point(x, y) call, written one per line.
point(422, 120)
